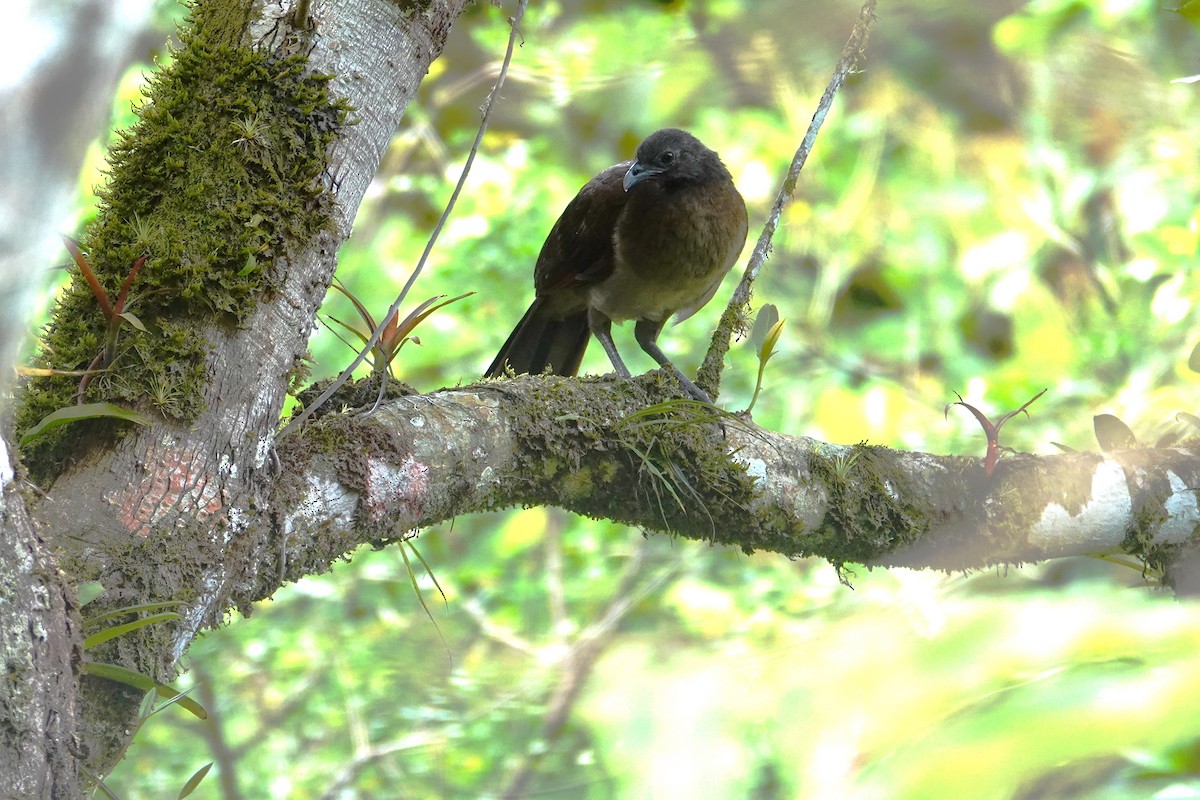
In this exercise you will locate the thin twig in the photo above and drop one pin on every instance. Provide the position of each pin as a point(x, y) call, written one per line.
point(576, 666)
point(709, 376)
point(555, 585)
point(213, 731)
point(497, 633)
point(515, 23)
point(365, 757)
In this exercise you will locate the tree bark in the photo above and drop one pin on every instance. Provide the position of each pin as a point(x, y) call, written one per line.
point(174, 510)
point(48, 122)
point(40, 650)
point(349, 479)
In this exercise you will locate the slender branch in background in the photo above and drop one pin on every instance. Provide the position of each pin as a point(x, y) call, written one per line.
point(356, 726)
point(555, 591)
point(365, 758)
point(211, 729)
point(270, 718)
point(497, 633)
point(576, 666)
point(515, 24)
point(852, 54)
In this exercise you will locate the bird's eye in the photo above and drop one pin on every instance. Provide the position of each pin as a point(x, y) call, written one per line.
point(668, 157)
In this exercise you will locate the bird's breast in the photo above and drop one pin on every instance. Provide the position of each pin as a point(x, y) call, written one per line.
point(628, 294)
point(671, 252)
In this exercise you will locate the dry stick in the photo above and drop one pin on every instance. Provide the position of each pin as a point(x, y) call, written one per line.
point(709, 376)
point(515, 23)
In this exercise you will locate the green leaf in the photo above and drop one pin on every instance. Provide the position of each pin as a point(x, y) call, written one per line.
point(1190, 419)
point(249, 267)
point(146, 707)
point(1113, 434)
point(767, 349)
point(137, 680)
point(766, 318)
point(99, 637)
point(1194, 359)
point(412, 577)
point(98, 784)
point(129, 317)
point(1190, 10)
point(88, 591)
point(352, 329)
point(63, 416)
point(179, 697)
point(428, 571)
point(124, 610)
point(194, 781)
point(767, 329)
point(113, 672)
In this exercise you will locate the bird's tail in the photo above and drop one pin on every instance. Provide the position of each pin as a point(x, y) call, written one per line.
point(542, 340)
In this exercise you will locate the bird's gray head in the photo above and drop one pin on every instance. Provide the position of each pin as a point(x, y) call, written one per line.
point(673, 155)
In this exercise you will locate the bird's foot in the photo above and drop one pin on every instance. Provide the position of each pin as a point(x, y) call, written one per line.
point(692, 389)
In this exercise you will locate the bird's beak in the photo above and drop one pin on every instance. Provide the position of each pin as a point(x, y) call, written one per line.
point(637, 173)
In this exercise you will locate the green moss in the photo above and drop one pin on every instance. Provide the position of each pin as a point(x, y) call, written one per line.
point(1146, 519)
point(411, 9)
point(577, 483)
point(672, 448)
point(868, 514)
point(217, 183)
point(351, 394)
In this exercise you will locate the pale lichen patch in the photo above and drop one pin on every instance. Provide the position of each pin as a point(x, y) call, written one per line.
point(388, 484)
point(756, 469)
point(1183, 513)
point(1100, 521)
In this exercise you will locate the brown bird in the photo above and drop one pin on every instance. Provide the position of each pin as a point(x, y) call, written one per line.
point(643, 240)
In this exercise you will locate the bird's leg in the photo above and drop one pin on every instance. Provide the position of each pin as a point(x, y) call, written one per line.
point(601, 327)
point(646, 332)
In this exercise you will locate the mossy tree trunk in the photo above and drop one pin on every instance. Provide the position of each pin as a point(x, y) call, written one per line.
point(238, 184)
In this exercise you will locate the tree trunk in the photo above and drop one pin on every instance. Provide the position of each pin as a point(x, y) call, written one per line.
point(40, 650)
point(175, 510)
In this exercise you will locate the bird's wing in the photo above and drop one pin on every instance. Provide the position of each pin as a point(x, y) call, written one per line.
point(579, 249)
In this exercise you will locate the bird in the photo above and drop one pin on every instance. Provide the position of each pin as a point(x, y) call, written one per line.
point(643, 240)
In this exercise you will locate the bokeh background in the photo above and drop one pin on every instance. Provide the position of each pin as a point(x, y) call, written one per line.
point(1003, 200)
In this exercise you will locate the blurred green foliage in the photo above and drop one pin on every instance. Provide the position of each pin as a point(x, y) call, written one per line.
point(1003, 200)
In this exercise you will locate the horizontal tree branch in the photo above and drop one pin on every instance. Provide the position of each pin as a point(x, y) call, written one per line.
point(586, 445)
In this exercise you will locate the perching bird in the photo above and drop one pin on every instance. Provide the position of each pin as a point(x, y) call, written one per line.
point(643, 240)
